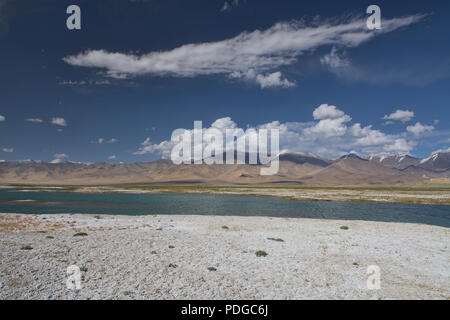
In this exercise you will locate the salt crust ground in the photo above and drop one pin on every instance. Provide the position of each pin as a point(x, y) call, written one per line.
point(167, 257)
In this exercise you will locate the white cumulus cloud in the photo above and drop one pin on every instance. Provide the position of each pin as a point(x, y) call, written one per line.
point(419, 129)
point(331, 134)
point(400, 115)
point(325, 111)
point(164, 148)
point(59, 121)
point(270, 80)
point(224, 123)
point(59, 157)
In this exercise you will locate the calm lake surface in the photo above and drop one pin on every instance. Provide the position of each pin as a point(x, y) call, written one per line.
point(34, 201)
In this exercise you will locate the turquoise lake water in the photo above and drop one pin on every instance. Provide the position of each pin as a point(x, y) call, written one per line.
point(12, 201)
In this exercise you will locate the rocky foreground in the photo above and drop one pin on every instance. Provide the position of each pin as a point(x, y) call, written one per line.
point(211, 257)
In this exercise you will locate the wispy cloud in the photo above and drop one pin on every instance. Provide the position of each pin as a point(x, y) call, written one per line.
point(259, 52)
point(228, 5)
point(35, 120)
point(102, 140)
point(334, 60)
point(8, 150)
point(2, 118)
point(84, 82)
point(428, 71)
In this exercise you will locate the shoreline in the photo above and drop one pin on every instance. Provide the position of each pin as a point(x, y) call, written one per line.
point(295, 194)
point(407, 194)
point(214, 257)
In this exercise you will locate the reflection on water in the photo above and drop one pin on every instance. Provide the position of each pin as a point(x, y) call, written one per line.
point(37, 202)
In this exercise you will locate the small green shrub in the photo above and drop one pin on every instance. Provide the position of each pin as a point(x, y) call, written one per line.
point(27, 247)
point(80, 234)
point(261, 253)
point(225, 227)
point(276, 239)
point(344, 228)
point(171, 247)
point(172, 265)
point(212, 269)
point(50, 237)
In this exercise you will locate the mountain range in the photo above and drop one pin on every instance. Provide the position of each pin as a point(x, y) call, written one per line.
point(295, 168)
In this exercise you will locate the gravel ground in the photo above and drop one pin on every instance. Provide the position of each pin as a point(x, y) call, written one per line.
point(172, 257)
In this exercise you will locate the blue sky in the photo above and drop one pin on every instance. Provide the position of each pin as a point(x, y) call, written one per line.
point(116, 89)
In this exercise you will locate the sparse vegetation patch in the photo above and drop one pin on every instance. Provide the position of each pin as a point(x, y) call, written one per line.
point(80, 234)
point(261, 253)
